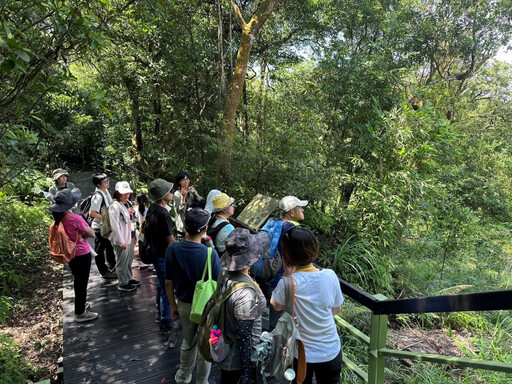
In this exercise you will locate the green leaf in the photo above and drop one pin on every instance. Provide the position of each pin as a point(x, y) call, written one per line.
point(23, 55)
point(7, 66)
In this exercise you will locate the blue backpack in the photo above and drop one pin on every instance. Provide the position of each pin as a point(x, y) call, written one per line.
point(269, 264)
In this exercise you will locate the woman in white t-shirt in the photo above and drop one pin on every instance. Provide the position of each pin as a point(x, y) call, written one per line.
point(318, 298)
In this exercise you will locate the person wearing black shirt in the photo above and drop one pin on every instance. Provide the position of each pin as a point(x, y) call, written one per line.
point(159, 232)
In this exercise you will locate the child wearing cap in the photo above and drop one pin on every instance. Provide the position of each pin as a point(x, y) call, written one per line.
point(184, 265)
point(223, 209)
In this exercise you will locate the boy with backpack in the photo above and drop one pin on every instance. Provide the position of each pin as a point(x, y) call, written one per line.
point(184, 265)
point(102, 245)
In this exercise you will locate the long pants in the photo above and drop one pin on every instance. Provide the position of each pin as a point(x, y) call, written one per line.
point(104, 249)
point(162, 301)
point(80, 267)
point(189, 351)
point(124, 263)
point(325, 373)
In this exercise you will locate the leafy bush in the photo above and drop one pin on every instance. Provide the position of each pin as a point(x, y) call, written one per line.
point(14, 368)
point(23, 243)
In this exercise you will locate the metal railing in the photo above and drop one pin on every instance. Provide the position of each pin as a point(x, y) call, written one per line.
point(381, 307)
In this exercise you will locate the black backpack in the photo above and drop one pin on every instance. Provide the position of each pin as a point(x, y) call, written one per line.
point(145, 254)
point(85, 207)
point(213, 232)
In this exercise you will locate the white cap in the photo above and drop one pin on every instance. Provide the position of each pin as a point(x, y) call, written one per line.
point(123, 187)
point(287, 203)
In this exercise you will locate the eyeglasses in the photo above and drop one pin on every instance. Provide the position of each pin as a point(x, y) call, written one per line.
point(107, 180)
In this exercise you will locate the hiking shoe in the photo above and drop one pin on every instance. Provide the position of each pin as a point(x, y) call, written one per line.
point(165, 325)
point(86, 316)
point(127, 287)
point(158, 316)
point(109, 275)
point(134, 282)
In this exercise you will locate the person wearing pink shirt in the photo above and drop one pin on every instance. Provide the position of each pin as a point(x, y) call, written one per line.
point(80, 265)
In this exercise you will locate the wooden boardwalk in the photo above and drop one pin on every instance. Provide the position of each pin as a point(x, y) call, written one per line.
point(124, 345)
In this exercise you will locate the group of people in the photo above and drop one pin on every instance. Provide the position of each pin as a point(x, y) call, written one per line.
point(180, 251)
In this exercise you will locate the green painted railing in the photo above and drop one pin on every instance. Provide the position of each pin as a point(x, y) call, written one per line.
point(381, 307)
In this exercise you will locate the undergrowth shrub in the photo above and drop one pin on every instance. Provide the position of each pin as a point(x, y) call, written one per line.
point(23, 244)
point(14, 368)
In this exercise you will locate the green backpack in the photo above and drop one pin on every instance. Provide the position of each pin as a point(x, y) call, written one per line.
point(214, 314)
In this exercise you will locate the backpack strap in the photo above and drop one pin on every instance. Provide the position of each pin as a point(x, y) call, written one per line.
point(289, 289)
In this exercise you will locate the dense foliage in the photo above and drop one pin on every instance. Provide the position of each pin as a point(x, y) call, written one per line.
point(391, 117)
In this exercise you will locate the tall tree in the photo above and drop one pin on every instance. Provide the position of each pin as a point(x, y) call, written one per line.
point(250, 32)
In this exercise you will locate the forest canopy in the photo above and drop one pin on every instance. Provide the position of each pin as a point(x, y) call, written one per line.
point(390, 117)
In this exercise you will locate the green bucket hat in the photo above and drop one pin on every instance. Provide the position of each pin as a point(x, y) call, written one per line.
point(158, 188)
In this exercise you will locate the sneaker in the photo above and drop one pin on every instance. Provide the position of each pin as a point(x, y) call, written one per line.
point(134, 282)
point(109, 276)
point(86, 316)
point(127, 287)
point(158, 316)
point(165, 325)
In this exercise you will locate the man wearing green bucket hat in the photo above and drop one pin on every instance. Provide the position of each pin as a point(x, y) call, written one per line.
point(159, 233)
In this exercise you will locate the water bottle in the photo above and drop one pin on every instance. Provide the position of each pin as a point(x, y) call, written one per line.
point(173, 335)
point(218, 349)
point(208, 241)
point(289, 374)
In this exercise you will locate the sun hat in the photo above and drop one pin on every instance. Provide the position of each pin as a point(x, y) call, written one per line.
point(123, 187)
point(221, 201)
point(158, 188)
point(196, 220)
point(243, 249)
point(287, 203)
point(58, 173)
point(208, 207)
point(65, 199)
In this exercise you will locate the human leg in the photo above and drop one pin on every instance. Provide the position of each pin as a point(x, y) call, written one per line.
point(189, 352)
point(329, 372)
point(122, 265)
point(163, 304)
point(230, 377)
point(80, 267)
point(110, 256)
point(99, 248)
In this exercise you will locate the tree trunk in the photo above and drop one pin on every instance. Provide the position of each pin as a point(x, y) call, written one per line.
point(220, 43)
point(249, 33)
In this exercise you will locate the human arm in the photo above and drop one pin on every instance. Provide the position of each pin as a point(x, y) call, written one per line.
point(169, 283)
point(277, 307)
point(244, 334)
point(278, 297)
point(95, 210)
point(179, 203)
point(116, 238)
point(169, 288)
point(336, 310)
point(90, 232)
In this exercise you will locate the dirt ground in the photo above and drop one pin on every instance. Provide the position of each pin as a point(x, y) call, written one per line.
point(37, 323)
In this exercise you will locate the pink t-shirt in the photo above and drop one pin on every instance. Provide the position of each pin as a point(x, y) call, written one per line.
point(72, 224)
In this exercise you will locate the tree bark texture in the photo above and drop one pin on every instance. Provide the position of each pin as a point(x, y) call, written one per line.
point(249, 33)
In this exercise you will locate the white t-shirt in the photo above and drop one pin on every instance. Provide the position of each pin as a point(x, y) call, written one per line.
point(316, 293)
